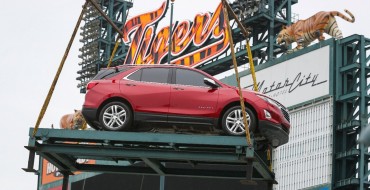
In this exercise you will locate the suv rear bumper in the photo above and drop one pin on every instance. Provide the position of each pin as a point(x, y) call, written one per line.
point(90, 115)
point(274, 133)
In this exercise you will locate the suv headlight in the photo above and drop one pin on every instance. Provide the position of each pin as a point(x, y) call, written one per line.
point(268, 100)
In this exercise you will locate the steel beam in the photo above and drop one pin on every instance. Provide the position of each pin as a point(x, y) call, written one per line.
point(155, 165)
point(60, 148)
point(116, 153)
point(156, 138)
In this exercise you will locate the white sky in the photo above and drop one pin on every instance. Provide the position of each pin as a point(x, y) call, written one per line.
point(34, 35)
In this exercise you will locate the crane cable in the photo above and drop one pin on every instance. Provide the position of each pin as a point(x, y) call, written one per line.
point(52, 87)
point(229, 33)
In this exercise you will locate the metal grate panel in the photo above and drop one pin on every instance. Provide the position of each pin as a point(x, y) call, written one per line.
point(306, 161)
point(286, 114)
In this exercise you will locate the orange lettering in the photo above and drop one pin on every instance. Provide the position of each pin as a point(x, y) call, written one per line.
point(189, 44)
point(137, 27)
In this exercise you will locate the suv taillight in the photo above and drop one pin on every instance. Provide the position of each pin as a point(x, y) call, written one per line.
point(91, 85)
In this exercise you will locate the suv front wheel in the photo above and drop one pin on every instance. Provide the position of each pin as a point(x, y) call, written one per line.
point(115, 116)
point(232, 121)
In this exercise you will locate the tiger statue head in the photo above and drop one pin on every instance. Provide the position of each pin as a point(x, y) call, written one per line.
point(73, 121)
point(285, 36)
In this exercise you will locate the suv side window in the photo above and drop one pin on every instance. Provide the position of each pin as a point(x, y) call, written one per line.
point(189, 77)
point(135, 76)
point(158, 75)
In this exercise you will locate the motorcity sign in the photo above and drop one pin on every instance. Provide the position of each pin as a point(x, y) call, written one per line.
point(297, 80)
point(193, 43)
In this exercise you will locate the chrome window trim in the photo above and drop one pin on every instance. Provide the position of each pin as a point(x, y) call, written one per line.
point(126, 78)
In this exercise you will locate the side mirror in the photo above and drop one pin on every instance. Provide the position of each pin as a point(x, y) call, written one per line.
point(210, 83)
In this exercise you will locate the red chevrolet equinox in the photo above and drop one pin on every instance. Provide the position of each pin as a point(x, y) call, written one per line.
point(122, 98)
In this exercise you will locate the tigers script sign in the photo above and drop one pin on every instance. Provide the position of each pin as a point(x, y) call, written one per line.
point(193, 43)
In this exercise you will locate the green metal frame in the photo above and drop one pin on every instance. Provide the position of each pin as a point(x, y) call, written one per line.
point(99, 38)
point(350, 88)
point(265, 27)
point(123, 152)
point(352, 72)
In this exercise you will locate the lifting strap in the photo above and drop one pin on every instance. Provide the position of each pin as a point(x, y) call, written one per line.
point(52, 87)
point(269, 157)
point(113, 52)
point(117, 43)
point(251, 64)
point(246, 34)
point(229, 33)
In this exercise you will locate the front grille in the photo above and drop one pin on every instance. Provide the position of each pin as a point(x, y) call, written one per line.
point(278, 103)
point(286, 114)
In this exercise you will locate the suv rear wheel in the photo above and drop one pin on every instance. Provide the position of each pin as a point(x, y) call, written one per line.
point(115, 116)
point(232, 121)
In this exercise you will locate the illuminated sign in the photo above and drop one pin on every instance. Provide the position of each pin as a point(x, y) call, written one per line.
point(193, 43)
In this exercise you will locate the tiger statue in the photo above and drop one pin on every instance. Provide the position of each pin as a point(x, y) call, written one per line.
point(73, 121)
point(306, 31)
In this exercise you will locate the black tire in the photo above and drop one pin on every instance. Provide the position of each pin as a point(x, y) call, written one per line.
point(116, 116)
point(234, 116)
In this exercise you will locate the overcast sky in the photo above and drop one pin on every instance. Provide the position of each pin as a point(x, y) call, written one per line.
point(33, 37)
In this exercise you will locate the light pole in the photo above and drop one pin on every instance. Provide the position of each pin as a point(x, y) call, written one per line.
point(170, 37)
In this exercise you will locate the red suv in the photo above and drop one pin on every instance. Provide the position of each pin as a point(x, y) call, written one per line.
point(170, 95)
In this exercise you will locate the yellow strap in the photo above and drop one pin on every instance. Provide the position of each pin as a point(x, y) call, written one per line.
point(246, 34)
point(116, 46)
point(269, 157)
point(52, 87)
point(229, 33)
point(251, 64)
point(113, 52)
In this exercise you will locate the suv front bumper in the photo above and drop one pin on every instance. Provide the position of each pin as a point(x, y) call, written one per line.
point(275, 133)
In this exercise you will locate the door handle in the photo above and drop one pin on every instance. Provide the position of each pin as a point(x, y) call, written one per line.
point(176, 88)
point(130, 84)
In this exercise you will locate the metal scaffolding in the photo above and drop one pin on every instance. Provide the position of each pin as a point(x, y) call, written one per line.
point(351, 113)
point(98, 38)
point(265, 19)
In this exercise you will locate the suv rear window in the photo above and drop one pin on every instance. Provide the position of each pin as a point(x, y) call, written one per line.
point(135, 76)
point(111, 72)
